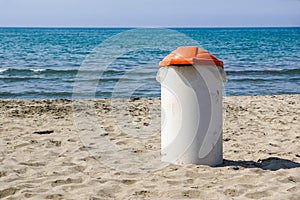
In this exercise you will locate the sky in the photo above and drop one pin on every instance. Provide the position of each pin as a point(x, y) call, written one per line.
point(149, 13)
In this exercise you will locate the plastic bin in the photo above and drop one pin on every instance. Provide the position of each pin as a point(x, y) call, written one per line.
point(191, 106)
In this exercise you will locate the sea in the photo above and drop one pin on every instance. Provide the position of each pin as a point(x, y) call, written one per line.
point(62, 63)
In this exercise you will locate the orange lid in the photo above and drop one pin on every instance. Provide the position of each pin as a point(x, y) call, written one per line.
point(190, 55)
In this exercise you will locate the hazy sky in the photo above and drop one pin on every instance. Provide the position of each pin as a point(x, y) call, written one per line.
point(149, 13)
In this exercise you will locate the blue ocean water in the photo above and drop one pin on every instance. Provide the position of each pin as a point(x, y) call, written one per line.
point(44, 62)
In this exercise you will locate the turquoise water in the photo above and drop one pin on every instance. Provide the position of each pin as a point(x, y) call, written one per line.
point(44, 62)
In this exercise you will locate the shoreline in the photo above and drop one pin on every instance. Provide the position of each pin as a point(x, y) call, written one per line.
point(261, 145)
point(107, 98)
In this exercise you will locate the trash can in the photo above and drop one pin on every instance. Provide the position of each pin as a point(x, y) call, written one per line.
point(191, 107)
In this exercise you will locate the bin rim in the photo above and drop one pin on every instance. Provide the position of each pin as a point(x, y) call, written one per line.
point(190, 55)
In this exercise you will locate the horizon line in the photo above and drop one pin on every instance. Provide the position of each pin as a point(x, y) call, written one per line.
point(135, 27)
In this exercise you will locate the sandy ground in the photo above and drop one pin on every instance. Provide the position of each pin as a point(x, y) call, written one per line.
point(59, 149)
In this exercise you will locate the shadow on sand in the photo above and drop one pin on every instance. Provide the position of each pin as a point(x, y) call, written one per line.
point(272, 163)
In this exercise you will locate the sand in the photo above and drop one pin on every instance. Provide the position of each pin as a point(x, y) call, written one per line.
point(98, 149)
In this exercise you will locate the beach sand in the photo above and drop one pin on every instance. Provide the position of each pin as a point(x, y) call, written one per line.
point(60, 149)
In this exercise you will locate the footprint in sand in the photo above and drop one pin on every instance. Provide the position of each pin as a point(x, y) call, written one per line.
point(54, 196)
point(2, 174)
point(128, 181)
point(8, 192)
point(64, 182)
point(192, 194)
point(258, 195)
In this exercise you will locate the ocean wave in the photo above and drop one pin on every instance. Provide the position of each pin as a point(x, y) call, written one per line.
point(264, 72)
point(35, 94)
point(15, 71)
point(15, 79)
point(249, 79)
point(114, 79)
point(79, 72)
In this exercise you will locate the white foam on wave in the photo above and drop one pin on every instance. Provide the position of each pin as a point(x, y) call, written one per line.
point(37, 70)
point(3, 70)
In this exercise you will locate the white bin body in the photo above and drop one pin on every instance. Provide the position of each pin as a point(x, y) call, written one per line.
point(191, 104)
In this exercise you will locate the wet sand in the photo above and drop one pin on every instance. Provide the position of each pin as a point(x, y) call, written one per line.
point(60, 149)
